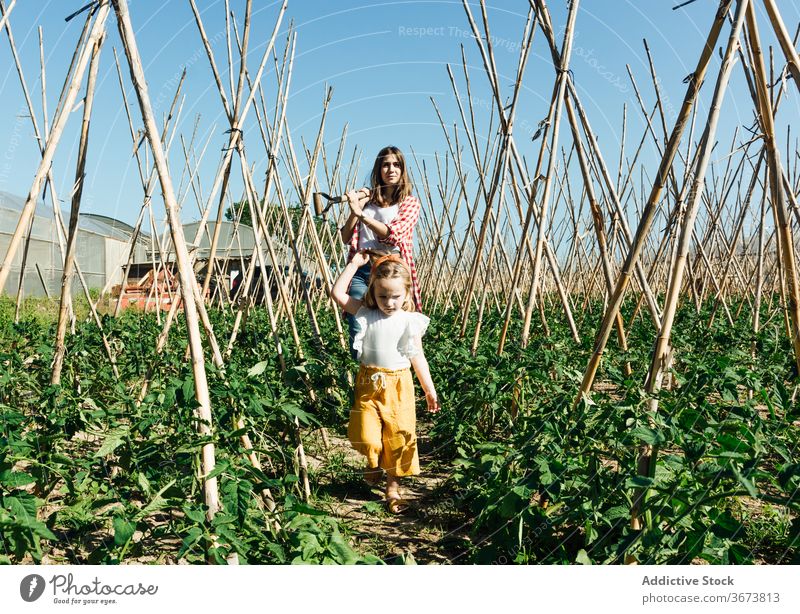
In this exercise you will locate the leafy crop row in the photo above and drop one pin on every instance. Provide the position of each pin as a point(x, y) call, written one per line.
point(87, 474)
point(548, 483)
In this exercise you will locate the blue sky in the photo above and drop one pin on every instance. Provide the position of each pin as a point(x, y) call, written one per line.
point(385, 60)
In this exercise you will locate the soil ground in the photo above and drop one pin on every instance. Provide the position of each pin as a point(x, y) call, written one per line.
point(432, 531)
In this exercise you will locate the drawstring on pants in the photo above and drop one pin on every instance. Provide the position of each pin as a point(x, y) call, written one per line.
point(376, 377)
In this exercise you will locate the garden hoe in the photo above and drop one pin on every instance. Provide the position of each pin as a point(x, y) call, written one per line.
point(319, 209)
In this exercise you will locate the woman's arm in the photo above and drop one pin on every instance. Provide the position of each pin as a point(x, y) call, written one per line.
point(420, 364)
point(401, 227)
point(355, 201)
point(339, 291)
point(380, 229)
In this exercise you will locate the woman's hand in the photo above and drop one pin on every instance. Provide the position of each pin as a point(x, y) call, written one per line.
point(356, 199)
point(360, 259)
point(433, 402)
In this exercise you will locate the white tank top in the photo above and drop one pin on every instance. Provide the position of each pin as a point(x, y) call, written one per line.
point(367, 239)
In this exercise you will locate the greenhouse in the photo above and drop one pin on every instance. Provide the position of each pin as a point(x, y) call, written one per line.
point(101, 249)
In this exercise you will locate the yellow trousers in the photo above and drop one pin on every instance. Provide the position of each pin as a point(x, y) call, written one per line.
point(383, 420)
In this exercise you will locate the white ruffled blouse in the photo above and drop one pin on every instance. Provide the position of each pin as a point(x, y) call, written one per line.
point(388, 341)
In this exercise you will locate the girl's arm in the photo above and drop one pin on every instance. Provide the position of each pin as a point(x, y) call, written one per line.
point(354, 199)
point(420, 364)
point(401, 227)
point(339, 290)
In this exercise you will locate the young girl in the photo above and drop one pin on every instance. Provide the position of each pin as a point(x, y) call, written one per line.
point(382, 220)
point(383, 418)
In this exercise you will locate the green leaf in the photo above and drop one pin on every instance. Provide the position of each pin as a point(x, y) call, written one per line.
point(639, 481)
point(156, 503)
point(257, 369)
point(143, 482)
point(619, 511)
point(648, 435)
point(194, 514)
point(221, 467)
point(306, 509)
point(22, 505)
point(15, 479)
point(113, 440)
point(192, 537)
point(749, 486)
point(373, 507)
point(582, 558)
point(344, 554)
point(733, 444)
point(123, 530)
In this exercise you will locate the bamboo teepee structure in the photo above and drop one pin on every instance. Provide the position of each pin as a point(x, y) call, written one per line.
point(509, 225)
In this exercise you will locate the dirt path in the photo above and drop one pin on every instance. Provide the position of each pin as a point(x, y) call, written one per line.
point(431, 532)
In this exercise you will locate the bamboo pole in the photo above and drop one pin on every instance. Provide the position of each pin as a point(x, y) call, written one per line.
point(650, 208)
point(66, 283)
point(7, 13)
point(182, 255)
point(561, 88)
point(784, 226)
point(648, 453)
point(792, 59)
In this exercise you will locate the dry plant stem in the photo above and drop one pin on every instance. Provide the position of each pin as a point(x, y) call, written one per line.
point(759, 277)
point(303, 465)
point(506, 126)
point(41, 280)
point(52, 142)
point(651, 206)
point(308, 222)
point(293, 246)
point(509, 141)
point(56, 207)
point(148, 185)
point(489, 194)
point(702, 252)
point(256, 215)
point(186, 274)
point(66, 282)
point(531, 188)
point(650, 298)
point(22, 267)
point(648, 454)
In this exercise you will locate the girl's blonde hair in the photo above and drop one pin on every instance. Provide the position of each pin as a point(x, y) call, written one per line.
point(385, 195)
point(389, 267)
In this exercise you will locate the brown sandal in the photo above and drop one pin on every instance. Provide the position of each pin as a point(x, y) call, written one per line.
point(397, 505)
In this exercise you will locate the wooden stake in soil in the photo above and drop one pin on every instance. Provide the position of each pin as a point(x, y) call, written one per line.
point(66, 281)
point(661, 351)
point(185, 272)
point(784, 228)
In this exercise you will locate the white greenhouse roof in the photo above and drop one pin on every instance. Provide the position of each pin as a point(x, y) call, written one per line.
point(11, 206)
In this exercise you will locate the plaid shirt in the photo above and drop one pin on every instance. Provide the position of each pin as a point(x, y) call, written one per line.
point(401, 235)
